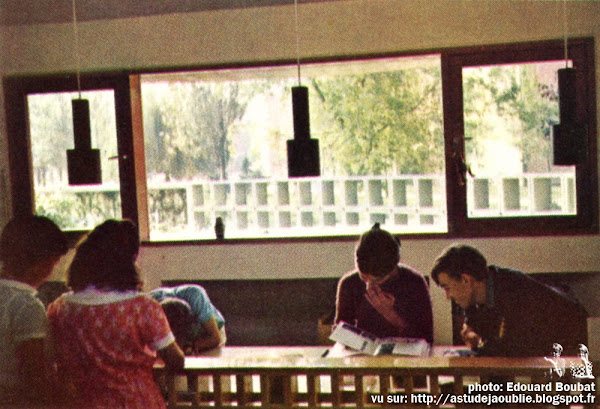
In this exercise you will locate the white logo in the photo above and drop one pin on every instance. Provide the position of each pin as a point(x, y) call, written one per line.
point(558, 363)
point(579, 370)
point(582, 370)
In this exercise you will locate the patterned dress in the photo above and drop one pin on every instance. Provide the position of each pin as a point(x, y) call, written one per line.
point(105, 345)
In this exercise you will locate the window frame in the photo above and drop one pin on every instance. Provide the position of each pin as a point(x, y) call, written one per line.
point(126, 87)
point(580, 51)
point(17, 90)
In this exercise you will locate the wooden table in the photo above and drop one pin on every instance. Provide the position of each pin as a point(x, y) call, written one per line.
point(285, 377)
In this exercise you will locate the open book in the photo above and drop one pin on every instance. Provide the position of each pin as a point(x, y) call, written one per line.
point(364, 342)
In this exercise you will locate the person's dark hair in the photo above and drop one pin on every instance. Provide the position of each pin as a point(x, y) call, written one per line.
point(460, 259)
point(106, 258)
point(29, 240)
point(377, 252)
point(179, 315)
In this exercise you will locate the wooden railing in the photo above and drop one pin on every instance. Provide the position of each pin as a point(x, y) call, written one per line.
point(287, 377)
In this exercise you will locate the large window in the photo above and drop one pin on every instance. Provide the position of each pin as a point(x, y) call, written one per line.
point(215, 145)
point(51, 133)
point(456, 142)
point(509, 113)
point(500, 107)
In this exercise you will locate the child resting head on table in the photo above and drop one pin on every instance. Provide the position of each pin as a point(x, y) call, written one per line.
point(106, 332)
point(197, 324)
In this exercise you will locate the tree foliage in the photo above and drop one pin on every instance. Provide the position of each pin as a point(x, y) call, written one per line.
point(514, 103)
point(51, 130)
point(386, 122)
point(369, 123)
point(191, 129)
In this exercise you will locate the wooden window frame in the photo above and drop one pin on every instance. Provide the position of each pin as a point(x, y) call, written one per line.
point(20, 162)
point(581, 52)
point(126, 87)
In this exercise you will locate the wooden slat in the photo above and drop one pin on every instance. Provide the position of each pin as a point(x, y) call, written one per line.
point(458, 384)
point(335, 389)
point(311, 389)
point(409, 384)
point(265, 389)
point(384, 384)
point(218, 390)
point(434, 384)
point(286, 364)
point(288, 395)
point(359, 390)
point(434, 387)
point(241, 390)
point(192, 381)
point(172, 394)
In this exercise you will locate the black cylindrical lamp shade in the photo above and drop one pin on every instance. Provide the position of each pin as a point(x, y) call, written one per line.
point(83, 162)
point(300, 112)
point(303, 152)
point(570, 137)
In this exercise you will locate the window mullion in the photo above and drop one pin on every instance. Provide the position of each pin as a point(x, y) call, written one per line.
point(456, 193)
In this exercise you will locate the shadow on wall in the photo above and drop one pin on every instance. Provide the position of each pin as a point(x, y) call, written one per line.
point(271, 312)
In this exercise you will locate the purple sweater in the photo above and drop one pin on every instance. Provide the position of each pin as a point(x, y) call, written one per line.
point(413, 304)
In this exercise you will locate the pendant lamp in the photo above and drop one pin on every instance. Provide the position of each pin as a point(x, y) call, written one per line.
point(83, 162)
point(302, 151)
point(569, 136)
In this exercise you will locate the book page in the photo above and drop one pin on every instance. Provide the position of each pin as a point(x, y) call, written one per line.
point(354, 338)
point(339, 350)
point(403, 346)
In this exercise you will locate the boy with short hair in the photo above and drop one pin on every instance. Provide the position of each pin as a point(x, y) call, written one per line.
point(30, 247)
point(508, 313)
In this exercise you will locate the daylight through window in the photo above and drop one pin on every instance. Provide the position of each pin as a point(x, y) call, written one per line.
point(509, 114)
point(51, 130)
point(216, 147)
point(457, 143)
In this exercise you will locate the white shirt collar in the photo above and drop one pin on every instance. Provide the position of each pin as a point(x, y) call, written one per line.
point(19, 285)
point(93, 296)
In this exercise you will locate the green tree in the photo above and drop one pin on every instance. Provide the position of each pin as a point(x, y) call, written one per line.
point(517, 99)
point(384, 122)
point(192, 128)
point(51, 130)
point(535, 104)
point(51, 133)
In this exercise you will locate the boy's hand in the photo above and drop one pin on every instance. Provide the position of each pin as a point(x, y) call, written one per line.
point(470, 337)
point(382, 301)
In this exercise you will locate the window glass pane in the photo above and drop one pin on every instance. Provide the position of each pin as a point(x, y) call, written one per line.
point(51, 128)
point(509, 113)
point(215, 146)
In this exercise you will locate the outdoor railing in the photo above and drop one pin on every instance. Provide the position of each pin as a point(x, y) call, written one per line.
point(531, 194)
point(313, 206)
point(300, 207)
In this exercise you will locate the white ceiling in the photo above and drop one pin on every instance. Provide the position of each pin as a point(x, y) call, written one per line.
point(14, 12)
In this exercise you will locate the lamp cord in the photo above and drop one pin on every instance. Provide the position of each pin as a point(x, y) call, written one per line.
point(77, 57)
point(565, 29)
point(297, 39)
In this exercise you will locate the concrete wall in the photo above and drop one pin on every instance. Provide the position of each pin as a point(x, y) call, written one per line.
point(327, 29)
